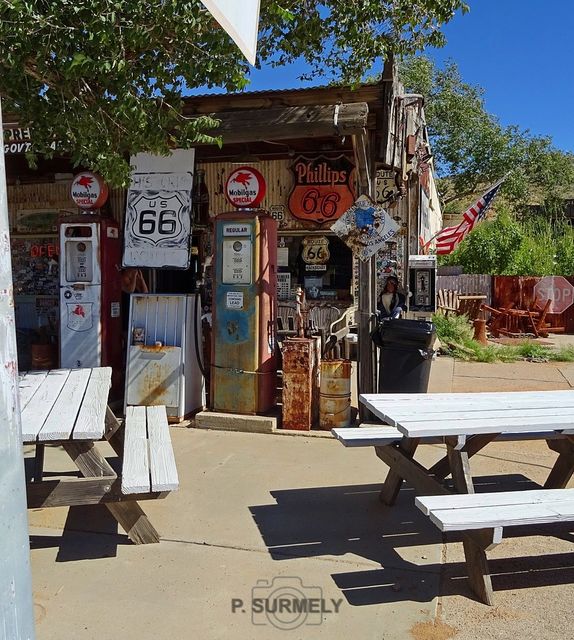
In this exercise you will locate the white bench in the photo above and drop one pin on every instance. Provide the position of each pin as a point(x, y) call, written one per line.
point(148, 461)
point(486, 514)
point(380, 435)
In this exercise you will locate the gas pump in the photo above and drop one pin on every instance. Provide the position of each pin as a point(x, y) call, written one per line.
point(90, 293)
point(244, 354)
point(422, 287)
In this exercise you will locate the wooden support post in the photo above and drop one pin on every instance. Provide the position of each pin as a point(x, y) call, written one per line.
point(563, 468)
point(129, 514)
point(39, 462)
point(474, 543)
point(403, 467)
point(16, 606)
point(366, 360)
point(441, 469)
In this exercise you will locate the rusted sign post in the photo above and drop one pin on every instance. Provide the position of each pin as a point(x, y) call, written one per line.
point(16, 608)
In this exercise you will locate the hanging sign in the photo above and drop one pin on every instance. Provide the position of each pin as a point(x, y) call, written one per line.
point(89, 191)
point(386, 185)
point(245, 188)
point(322, 191)
point(365, 228)
point(157, 229)
point(315, 250)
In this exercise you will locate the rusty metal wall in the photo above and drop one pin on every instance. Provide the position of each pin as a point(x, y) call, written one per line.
point(519, 291)
point(468, 284)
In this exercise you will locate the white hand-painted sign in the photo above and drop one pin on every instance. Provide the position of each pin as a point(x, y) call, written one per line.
point(240, 20)
point(158, 213)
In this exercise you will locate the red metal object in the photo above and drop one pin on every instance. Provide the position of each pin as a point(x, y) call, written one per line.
point(300, 383)
point(518, 291)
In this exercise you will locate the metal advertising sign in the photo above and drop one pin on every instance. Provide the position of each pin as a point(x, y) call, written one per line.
point(315, 250)
point(245, 187)
point(88, 190)
point(365, 228)
point(322, 191)
point(385, 185)
point(158, 215)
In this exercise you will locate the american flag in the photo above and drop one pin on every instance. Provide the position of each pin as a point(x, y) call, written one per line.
point(450, 237)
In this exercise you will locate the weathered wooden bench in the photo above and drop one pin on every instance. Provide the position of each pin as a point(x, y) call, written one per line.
point(148, 461)
point(379, 435)
point(485, 515)
point(69, 408)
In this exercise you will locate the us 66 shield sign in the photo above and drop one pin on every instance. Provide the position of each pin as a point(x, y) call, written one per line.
point(158, 223)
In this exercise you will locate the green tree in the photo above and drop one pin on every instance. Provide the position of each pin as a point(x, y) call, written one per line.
point(472, 149)
point(105, 78)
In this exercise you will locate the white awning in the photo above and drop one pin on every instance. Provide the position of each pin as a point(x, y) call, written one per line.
point(240, 20)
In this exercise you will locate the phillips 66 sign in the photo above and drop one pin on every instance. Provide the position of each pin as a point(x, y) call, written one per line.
point(158, 220)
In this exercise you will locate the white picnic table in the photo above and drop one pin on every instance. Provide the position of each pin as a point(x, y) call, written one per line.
point(69, 408)
point(466, 423)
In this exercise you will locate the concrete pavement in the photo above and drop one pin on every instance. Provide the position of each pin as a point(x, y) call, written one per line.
point(259, 511)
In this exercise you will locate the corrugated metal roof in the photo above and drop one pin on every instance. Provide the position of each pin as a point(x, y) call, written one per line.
point(256, 92)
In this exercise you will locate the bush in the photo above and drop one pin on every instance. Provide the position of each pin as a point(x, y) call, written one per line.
point(455, 335)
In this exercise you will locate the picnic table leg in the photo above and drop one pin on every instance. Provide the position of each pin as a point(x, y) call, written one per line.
point(39, 462)
point(475, 544)
point(563, 467)
point(394, 480)
point(473, 445)
point(129, 514)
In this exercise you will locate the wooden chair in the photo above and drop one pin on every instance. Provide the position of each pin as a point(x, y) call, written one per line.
point(447, 301)
point(469, 305)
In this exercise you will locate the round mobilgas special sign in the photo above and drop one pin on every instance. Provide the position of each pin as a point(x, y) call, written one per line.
point(89, 191)
point(245, 187)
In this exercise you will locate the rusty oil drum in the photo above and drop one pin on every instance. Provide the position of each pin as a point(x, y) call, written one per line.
point(335, 394)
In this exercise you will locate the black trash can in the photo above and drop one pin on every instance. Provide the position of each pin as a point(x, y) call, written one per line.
point(405, 355)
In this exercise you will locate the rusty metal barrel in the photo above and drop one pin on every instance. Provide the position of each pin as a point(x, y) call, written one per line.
point(335, 394)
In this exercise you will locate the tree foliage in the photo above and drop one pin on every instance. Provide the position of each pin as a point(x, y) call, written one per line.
point(105, 78)
point(472, 148)
point(536, 246)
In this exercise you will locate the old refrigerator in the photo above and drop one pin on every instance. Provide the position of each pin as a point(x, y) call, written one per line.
point(163, 355)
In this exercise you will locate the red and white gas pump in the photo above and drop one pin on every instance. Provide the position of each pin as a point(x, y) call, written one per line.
point(90, 293)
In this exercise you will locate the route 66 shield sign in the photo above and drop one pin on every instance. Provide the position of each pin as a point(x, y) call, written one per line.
point(158, 221)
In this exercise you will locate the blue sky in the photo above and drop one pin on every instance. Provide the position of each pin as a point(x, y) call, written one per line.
point(520, 51)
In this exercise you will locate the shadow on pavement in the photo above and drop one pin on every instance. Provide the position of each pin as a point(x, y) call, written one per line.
point(335, 521)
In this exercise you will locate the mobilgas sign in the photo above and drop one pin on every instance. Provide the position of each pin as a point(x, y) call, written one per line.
point(89, 191)
point(245, 187)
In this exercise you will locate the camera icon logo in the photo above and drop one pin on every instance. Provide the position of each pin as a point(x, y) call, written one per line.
point(286, 603)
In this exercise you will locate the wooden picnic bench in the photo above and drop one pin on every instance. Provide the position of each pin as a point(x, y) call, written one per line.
point(466, 423)
point(69, 408)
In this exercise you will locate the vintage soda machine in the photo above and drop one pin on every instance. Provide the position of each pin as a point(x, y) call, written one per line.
point(90, 293)
point(422, 287)
point(244, 352)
